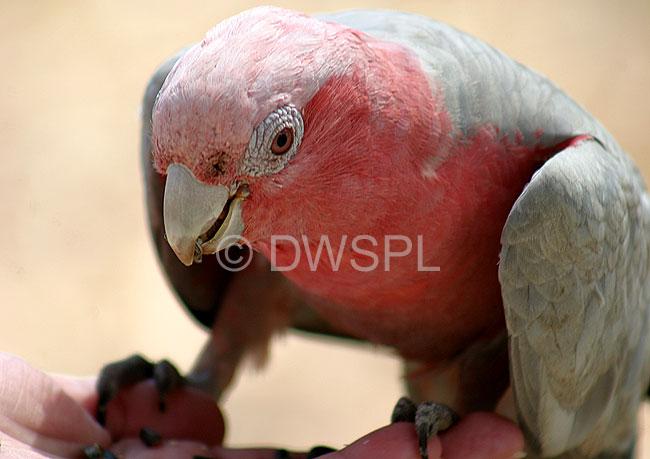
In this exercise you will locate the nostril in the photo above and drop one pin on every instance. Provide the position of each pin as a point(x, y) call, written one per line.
point(219, 164)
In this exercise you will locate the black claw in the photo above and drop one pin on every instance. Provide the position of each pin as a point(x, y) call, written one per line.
point(404, 411)
point(131, 370)
point(102, 408)
point(318, 451)
point(424, 434)
point(430, 418)
point(119, 374)
point(167, 379)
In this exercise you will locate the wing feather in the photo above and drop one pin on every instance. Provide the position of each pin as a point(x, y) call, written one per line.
point(574, 274)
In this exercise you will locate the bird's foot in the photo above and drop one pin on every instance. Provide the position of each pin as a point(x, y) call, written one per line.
point(131, 370)
point(429, 418)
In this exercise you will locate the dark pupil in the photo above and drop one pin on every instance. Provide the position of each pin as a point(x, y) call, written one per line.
point(282, 140)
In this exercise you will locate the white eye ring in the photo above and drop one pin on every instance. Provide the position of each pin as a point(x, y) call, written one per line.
point(260, 158)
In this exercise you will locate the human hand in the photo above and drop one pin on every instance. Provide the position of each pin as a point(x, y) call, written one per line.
point(52, 416)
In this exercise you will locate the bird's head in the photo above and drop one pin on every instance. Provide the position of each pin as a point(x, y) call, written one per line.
point(278, 123)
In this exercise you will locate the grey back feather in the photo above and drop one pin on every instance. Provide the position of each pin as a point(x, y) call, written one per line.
point(479, 84)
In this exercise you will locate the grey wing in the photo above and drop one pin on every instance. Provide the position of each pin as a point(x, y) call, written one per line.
point(574, 274)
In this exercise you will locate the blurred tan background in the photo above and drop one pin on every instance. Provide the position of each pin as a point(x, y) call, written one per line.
point(79, 284)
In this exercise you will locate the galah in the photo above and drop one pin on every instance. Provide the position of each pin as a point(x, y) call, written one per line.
point(398, 181)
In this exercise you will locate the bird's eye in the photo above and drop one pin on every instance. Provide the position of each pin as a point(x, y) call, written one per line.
point(274, 142)
point(282, 141)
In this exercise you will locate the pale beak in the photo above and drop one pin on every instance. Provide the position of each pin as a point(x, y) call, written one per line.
point(199, 218)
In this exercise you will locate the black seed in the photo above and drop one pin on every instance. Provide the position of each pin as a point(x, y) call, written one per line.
point(149, 437)
point(94, 452)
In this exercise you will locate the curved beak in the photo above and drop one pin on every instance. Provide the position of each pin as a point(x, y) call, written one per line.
point(199, 218)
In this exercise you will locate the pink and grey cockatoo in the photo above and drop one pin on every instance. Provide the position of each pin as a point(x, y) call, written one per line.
point(480, 222)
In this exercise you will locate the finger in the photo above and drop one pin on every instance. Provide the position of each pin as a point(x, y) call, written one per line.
point(190, 414)
point(478, 435)
point(395, 440)
point(14, 449)
point(134, 448)
point(80, 389)
point(35, 410)
point(482, 435)
point(186, 449)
